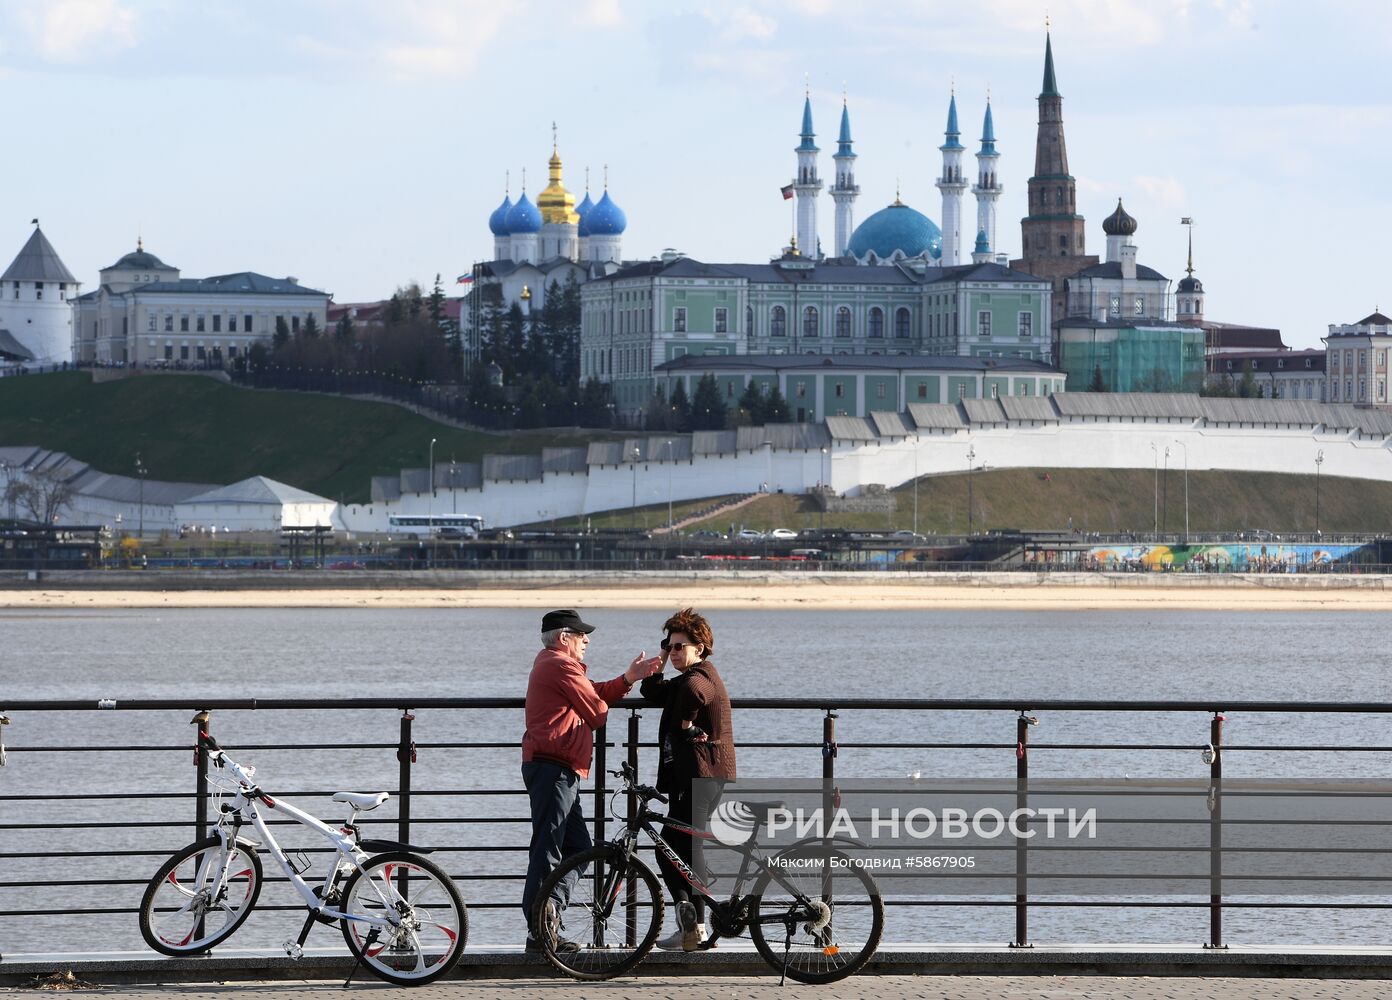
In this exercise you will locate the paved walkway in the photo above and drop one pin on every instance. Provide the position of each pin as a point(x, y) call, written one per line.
point(759, 988)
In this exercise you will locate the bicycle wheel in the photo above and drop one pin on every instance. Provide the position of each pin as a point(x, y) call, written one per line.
point(829, 939)
point(199, 897)
point(613, 913)
point(405, 937)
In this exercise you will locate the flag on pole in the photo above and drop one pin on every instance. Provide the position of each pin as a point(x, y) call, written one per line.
point(787, 192)
point(464, 279)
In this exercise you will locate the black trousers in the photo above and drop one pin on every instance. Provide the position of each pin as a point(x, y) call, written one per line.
point(691, 802)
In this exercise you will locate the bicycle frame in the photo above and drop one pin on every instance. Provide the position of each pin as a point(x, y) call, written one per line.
point(344, 840)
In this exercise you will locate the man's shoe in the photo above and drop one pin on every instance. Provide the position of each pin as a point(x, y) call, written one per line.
point(692, 932)
point(563, 946)
point(551, 930)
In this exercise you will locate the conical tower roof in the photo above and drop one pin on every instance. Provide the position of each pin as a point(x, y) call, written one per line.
point(1050, 84)
point(38, 261)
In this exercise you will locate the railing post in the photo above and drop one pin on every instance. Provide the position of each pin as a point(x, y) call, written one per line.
point(200, 782)
point(600, 757)
point(405, 757)
point(631, 930)
point(1022, 728)
point(1214, 756)
point(830, 794)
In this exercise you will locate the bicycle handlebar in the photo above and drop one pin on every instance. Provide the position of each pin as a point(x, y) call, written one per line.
point(629, 777)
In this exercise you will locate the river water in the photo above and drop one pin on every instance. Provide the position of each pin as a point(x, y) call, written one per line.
point(328, 654)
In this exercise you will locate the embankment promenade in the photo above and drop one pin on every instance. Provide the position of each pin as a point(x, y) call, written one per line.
point(647, 590)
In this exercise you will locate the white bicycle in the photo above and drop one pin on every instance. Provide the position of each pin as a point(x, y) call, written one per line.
point(400, 913)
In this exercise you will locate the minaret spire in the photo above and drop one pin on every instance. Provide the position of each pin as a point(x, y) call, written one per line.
point(844, 191)
point(953, 186)
point(807, 185)
point(988, 187)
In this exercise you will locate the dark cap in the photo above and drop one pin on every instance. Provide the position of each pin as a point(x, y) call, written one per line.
point(564, 619)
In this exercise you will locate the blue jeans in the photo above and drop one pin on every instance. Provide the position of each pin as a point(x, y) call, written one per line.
point(558, 829)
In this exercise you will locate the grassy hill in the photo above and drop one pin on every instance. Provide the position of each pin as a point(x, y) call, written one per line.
point(196, 429)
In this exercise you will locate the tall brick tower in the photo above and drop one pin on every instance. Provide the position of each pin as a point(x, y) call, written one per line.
point(1053, 235)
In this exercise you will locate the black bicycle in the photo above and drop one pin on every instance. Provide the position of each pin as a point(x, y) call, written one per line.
point(812, 913)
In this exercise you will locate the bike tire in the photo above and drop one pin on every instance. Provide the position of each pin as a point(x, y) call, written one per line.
point(608, 881)
point(429, 942)
point(856, 917)
point(176, 887)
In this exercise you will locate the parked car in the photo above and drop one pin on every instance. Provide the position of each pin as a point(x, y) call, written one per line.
point(749, 535)
point(783, 533)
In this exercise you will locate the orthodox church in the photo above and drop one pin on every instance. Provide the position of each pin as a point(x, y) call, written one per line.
point(537, 243)
point(899, 233)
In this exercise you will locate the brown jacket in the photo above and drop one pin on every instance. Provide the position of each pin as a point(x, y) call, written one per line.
point(698, 695)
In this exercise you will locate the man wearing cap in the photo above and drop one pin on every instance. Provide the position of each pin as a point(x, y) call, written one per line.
point(564, 708)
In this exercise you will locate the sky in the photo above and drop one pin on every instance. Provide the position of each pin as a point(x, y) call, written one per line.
point(360, 145)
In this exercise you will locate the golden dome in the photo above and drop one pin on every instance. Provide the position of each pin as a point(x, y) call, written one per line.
point(556, 203)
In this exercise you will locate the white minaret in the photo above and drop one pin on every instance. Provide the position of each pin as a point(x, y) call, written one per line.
point(953, 186)
point(844, 192)
point(807, 185)
point(988, 187)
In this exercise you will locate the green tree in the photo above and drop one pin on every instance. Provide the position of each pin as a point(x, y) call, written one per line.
point(776, 407)
point(1097, 385)
point(752, 406)
point(594, 404)
point(680, 407)
point(310, 330)
point(707, 408)
point(281, 337)
point(1247, 388)
point(345, 335)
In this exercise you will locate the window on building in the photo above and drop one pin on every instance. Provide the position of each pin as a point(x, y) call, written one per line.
point(38, 289)
point(1309, 362)
point(1229, 364)
point(183, 352)
point(679, 319)
point(294, 324)
point(217, 322)
point(231, 350)
point(876, 330)
point(247, 325)
point(840, 390)
point(983, 323)
point(202, 353)
point(802, 390)
point(811, 325)
point(778, 322)
point(1024, 388)
point(1280, 362)
point(923, 390)
point(16, 289)
point(125, 325)
point(168, 352)
point(879, 390)
point(232, 323)
point(1063, 241)
point(961, 390)
point(749, 320)
point(901, 323)
point(722, 319)
point(729, 390)
point(198, 324)
point(62, 291)
point(843, 322)
point(995, 391)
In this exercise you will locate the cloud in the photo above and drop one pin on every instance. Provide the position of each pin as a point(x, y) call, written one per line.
point(740, 23)
point(1167, 190)
point(600, 14)
point(71, 30)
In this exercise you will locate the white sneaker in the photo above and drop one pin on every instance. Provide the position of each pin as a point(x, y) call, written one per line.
point(689, 935)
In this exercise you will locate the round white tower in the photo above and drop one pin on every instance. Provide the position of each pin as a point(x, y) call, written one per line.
point(35, 301)
point(988, 186)
point(953, 186)
point(807, 185)
point(844, 191)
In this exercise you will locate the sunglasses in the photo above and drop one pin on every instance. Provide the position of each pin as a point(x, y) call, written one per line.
point(679, 645)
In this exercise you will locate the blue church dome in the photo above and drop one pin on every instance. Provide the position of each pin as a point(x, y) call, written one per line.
point(897, 227)
point(582, 210)
point(606, 218)
point(498, 220)
point(523, 217)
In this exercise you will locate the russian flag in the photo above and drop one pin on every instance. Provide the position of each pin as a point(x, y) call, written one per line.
point(787, 192)
point(464, 279)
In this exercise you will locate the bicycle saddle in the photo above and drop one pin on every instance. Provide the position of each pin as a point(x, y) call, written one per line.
point(362, 800)
point(760, 810)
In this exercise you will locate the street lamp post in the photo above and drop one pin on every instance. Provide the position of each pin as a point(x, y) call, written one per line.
point(1186, 488)
point(1319, 460)
point(821, 516)
point(1165, 493)
point(670, 464)
point(454, 489)
point(430, 503)
point(635, 487)
point(1155, 452)
point(971, 499)
point(140, 473)
point(915, 490)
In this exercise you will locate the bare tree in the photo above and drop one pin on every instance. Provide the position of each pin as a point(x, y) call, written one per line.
point(43, 495)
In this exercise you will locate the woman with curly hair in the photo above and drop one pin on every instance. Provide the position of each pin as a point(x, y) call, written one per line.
point(697, 757)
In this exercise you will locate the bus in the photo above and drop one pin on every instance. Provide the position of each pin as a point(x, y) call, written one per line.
point(436, 525)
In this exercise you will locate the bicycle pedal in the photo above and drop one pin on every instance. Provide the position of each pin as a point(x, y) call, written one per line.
point(294, 950)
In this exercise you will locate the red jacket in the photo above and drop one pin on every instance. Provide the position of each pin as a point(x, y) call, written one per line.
point(564, 707)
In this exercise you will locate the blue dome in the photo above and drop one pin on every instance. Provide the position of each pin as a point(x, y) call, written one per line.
point(498, 220)
point(606, 218)
point(523, 217)
point(582, 210)
point(897, 227)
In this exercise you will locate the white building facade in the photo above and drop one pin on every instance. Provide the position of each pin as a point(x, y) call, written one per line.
point(34, 302)
point(1356, 362)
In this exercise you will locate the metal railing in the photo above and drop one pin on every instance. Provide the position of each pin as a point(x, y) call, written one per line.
point(31, 809)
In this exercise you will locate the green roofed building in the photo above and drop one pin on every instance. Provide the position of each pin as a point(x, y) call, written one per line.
point(644, 316)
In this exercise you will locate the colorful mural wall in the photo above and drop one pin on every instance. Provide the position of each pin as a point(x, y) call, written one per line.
point(1227, 557)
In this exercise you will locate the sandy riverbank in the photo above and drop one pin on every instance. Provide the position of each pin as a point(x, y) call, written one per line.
point(986, 592)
